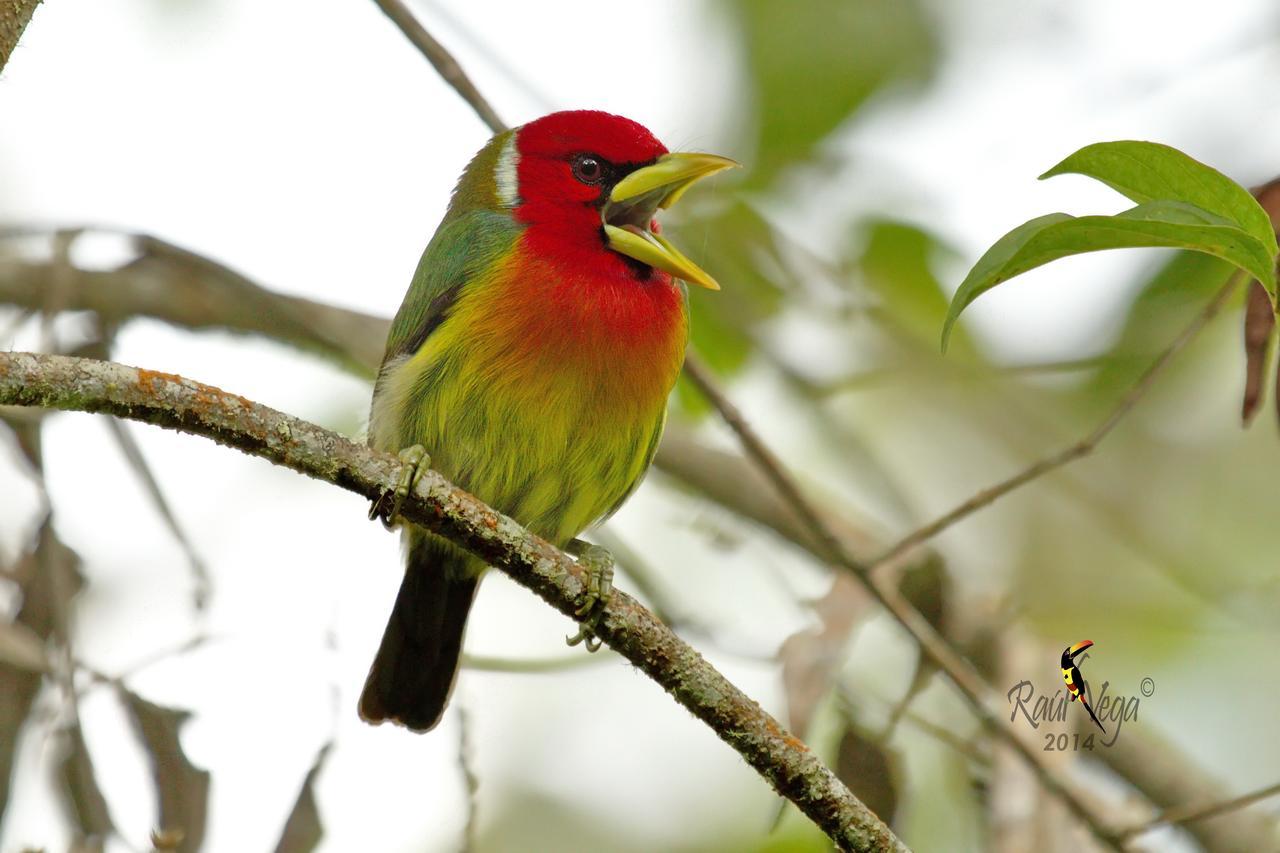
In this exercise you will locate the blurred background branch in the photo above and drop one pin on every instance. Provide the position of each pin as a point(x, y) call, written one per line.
point(28, 379)
point(1079, 449)
point(442, 61)
point(933, 645)
point(171, 284)
point(1192, 813)
point(884, 145)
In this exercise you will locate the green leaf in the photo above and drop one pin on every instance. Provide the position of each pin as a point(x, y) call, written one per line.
point(1182, 204)
point(1149, 171)
point(1156, 224)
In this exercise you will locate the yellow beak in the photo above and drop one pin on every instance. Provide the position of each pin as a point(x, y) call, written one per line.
point(641, 194)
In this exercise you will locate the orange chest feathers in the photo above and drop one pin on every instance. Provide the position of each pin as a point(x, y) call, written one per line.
point(609, 347)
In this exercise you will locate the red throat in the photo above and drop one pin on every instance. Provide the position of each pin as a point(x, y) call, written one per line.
point(562, 333)
point(579, 305)
point(561, 213)
point(574, 307)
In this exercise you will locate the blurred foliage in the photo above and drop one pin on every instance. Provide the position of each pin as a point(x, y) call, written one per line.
point(810, 68)
point(743, 250)
point(812, 65)
point(896, 265)
point(1160, 309)
point(1164, 535)
point(868, 768)
point(182, 789)
point(304, 828)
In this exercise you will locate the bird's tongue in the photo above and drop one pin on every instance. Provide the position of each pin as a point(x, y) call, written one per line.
point(634, 212)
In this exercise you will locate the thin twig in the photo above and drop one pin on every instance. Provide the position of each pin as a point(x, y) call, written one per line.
point(1170, 779)
point(967, 747)
point(101, 348)
point(1190, 814)
point(178, 286)
point(1081, 448)
point(133, 454)
point(29, 379)
point(187, 291)
point(466, 759)
point(531, 666)
point(514, 77)
point(442, 60)
point(879, 376)
point(937, 648)
point(947, 737)
point(100, 677)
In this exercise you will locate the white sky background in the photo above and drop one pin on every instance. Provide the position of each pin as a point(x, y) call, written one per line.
point(309, 146)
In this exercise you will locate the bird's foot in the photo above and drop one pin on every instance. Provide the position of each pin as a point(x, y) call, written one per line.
point(597, 566)
point(415, 459)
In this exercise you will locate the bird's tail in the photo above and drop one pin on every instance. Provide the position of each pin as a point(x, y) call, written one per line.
point(417, 662)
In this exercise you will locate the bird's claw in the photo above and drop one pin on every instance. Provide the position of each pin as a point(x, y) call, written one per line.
point(415, 460)
point(597, 565)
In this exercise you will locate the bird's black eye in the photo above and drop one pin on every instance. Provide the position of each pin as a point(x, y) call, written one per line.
point(588, 169)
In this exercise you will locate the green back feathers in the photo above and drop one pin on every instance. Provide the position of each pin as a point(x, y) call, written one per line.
point(476, 231)
point(462, 248)
point(477, 188)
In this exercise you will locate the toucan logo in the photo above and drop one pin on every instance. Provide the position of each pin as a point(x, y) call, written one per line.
point(1075, 681)
point(1101, 702)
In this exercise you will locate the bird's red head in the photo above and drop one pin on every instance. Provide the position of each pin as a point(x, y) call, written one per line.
point(587, 184)
point(569, 161)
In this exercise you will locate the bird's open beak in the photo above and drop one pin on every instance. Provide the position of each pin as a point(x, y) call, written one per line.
point(637, 197)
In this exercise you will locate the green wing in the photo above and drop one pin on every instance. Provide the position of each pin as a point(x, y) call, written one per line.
point(463, 246)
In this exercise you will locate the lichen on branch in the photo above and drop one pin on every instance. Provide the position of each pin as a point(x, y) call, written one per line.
point(14, 17)
point(166, 400)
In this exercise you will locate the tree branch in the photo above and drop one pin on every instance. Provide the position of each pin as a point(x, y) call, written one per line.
point(1191, 813)
point(932, 644)
point(1170, 779)
point(14, 17)
point(172, 402)
point(170, 283)
point(935, 647)
point(1081, 448)
point(176, 286)
point(442, 61)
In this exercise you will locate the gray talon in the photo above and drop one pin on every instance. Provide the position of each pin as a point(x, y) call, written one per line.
point(597, 565)
point(415, 459)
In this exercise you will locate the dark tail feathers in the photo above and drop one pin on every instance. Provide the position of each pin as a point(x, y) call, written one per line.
point(413, 673)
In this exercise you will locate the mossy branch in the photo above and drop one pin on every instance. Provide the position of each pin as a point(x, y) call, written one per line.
point(162, 399)
point(188, 291)
point(14, 17)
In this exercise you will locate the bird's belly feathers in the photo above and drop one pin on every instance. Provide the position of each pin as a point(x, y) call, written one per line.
point(544, 404)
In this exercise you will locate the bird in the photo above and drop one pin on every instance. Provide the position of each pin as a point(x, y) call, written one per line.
point(1075, 681)
point(530, 364)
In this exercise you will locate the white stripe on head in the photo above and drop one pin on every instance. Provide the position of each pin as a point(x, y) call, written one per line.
point(505, 174)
